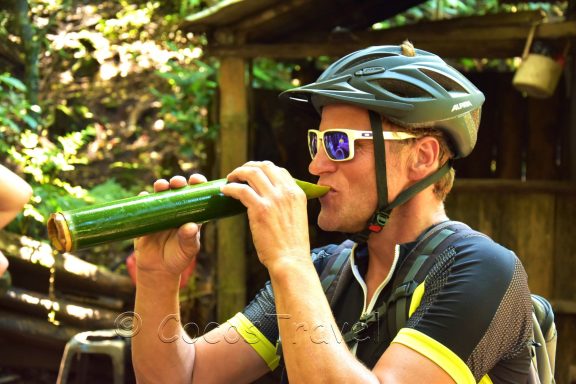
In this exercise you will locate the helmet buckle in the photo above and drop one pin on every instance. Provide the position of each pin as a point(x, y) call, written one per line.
point(378, 221)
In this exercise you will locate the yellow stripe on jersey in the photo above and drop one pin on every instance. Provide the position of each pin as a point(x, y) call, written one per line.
point(416, 298)
point(438, 353)
point(256, 339)
point(485, 380)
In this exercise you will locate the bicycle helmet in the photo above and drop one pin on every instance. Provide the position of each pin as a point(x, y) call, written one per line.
point(418, 91)
point(410, 87)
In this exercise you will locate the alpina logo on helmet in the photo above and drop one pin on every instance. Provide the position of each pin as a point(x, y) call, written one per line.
point(369, 71)
point(459, 106)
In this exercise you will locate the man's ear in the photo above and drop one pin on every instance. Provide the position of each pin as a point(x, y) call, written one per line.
point(425, 157)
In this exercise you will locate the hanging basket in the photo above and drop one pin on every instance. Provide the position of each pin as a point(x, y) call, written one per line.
point(538, 74)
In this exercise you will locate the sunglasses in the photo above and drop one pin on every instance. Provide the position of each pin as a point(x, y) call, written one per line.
point(339, 143)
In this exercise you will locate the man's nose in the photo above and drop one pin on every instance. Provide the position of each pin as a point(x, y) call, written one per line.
point(321, 163)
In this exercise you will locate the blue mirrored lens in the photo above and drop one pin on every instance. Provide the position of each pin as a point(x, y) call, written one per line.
point(312, 143)
point(337, 145)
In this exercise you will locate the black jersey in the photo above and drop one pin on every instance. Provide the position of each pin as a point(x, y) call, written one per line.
point(471, 316)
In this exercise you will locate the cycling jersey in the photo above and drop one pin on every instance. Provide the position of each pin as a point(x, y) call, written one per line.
point(471, 316)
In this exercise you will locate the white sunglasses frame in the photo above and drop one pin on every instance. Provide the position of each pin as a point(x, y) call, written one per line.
point(353, 135)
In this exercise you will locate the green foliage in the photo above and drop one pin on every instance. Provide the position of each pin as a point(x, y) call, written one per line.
point(44, 160)
point(49, 198)
point(271, 74)
point(185, 96)
point(124, 96)
point(14, 109)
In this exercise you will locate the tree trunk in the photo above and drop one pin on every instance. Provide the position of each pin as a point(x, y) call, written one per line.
point(31, 46)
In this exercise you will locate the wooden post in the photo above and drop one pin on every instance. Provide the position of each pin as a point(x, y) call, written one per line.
point(571, 147)
point(231, 237)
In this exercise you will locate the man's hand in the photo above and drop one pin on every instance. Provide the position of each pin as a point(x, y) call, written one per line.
point(173, 250)
point(276, 211)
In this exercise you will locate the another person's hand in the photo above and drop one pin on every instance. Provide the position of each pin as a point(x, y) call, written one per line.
point(169, 252)
point(3, 263)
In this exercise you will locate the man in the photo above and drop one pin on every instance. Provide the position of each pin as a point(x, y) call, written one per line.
point(392, 118)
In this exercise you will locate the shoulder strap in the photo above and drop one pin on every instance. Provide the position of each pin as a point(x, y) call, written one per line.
point(330, 275)
point(416, 266)
point(410, 273)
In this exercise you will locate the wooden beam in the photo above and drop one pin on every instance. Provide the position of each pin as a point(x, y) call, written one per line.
point(475, 41)
point(72, 270)
point(66, 311)
point(233, 147)
point(566, 307)
point(32, 329)
point(505, 186)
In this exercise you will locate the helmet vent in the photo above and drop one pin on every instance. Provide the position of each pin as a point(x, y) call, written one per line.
point(402, 88)
point(365, 59)
point(447, 83)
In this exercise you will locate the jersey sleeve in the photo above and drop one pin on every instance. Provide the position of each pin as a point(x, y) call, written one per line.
point(475, 311)
point(258, 321)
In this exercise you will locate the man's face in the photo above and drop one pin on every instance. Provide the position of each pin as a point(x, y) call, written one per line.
point(352, 199)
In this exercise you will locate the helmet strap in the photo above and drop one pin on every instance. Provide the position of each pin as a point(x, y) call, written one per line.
point(382, 214)
point(379, 219)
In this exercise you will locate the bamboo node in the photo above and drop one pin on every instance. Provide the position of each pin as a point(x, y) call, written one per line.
point(59, 233)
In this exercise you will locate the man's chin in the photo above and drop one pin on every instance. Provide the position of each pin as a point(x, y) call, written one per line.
point(335, 226)
point(326, 224)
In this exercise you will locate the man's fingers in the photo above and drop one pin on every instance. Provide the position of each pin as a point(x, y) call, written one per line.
point(188, 236)
point(161, 185)
point(254, 176)
point(197, 178)
point(242, 192)
point(178, 182)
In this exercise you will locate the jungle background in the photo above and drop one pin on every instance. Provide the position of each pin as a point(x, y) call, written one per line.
point(100, 98)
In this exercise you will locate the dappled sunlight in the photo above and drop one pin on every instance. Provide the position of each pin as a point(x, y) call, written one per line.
point(80, 312)
point(41, 253)
point(33, 300)
point(127, 58)
point(56, 307)
point(36, 252)
point(79, 267)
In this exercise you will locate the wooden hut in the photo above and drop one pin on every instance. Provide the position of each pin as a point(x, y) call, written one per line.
point(519, 185)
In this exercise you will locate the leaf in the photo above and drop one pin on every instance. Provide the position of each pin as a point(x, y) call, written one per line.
point(13, 82)
point(30, 121)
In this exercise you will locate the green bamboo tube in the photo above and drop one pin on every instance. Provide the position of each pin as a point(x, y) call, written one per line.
point(139, 215)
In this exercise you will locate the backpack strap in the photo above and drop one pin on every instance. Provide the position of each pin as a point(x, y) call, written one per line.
point(415, 267)
point(332, 273)
point(411, 272)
